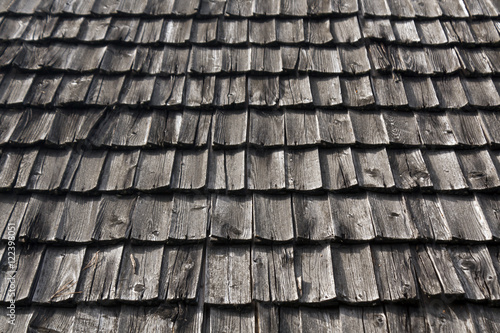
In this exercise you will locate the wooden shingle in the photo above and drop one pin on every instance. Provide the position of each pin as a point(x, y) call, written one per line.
point(228, 275)
point(231, 217)
point(352, 216)
point(150, 218)
point(189, 217)
point(372, 168)
point(266, 169)
point(272, 217)
point(337, 168)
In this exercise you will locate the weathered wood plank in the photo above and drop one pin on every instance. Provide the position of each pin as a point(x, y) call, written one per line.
point(427, 214)
point(199, 91)
point(150, 218)
point(154, 169)
point(303, 171)
point(266, 128)
point(139, 278)
point(58, 277)
point(94, 319)
point(409, 169)
point(465, 218)
point(94, 29)
point(190, 169)
point(389, 91)
point(189, 217)
point(230, 90)
point(113, 218)
point(476, 272)
point(435, 272)
point(231, 320)
point(420, 92)
point(337, 168)
point(354, 275)
point(478, 169)
point(445, 171)
point(168, 90)
point(99, 274)
point(25, 264)
point(263, 90)
point(406, 32)
point(313, 218)
point(345, 30)
point(390, 217)
point(335, 127)
point(325, 90)
point(490, 204)
point(467, 128)
point(368, 127)
point(119, 169)
point(232, 31)
point(227, 170)
point(12, 209)
point(357, 91)
point(402, 128)
point(394, 272)
point(314, 273)
point(352, 216)
point(373, 168)
point(33, 127)
point(266, 169)
point(273, 273)
point(231, 217)
point(272, 217)
point(78, 219)
point(431, 32)
point(481, 92)
point(230, 127)
point(104, 90)
point(181, 272)
point(42, 218)
point(295, 90)
point(87, 174)
point(228, 275)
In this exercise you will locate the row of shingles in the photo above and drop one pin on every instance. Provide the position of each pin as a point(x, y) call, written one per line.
point(242, 31)
point(407, 8)
point(259, 91)
point(432, 316)
point(277, 169)
point(354, 217)
point(124, 127)
point(465, 317)
point(335, 168)
point(104, 7)
point(238, 274)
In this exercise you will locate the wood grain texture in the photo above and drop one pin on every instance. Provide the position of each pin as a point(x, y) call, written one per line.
point(467, 128)
point(154, 169)
point(313, 218)
point(150, 218)
point(409, 169)
point(189, 217)
point(231, 217)
point(335, 127)
point(58, 277)
point(78, 219)
point(445, 171)
point(314, 271)
point(228, 275)
point(266, 128)
point(303, 171)
point(273, 273)
point(478, 169)
point(354, 275)
point(368, 127)
point(227, 170)
point(402, 128)
point(372, 168)
point(113, 218)
point(272, 217)
point(337, 168)
point(352, 216)
point(266, 169)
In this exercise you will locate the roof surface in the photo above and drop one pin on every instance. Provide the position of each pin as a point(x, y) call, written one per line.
point(250, 165)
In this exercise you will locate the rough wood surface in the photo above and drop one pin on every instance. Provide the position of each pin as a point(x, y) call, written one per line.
point(372, 168)
point(266, 169)
point(337, 168)
point(427, 214)
point(272, 217)
point(314, 273)
point(313, 217)
point(231, 217)
point(354, 275)
point(409, 169)
point(266, 128)
point(335, 127)
point(303, 171)
point(113, 217)
point(445, 171)
point(228, 275)
point(368, 127)
point(189, 217)
point(352, 216)
point(273, 273)
point(150, 218)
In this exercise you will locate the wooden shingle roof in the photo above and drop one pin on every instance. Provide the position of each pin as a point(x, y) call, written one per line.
point(250, 165)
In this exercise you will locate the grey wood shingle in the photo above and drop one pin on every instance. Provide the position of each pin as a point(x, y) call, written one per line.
point(59, 273)
point(190, 169)
point(150, 218)
point(228, 275)
point(435, 272)
point(231, 217)
point(290, 30)
point(357, 91)
point(409, 169)
point(272, 217)
point(303, 171)
point(230, 91)
point(273, 273)
point(199, 91)
point(325, 90)
point(99, 274)
point(368, 127)
point(231, 320)
point(314, 271)
point(354, 59)
point(394, 264)
point(337, 168)
point(181, 272)
point(372, 168)
point(189, 217)
point(48, 170)
point(352, 216)
point(478, 169)
point(124, 161)
point(335, 127)
point(313, 217)
point(232, 31)
point(168, 90)
point(354, 274)
point(78, 219)
point(230, 127)
point(266, 169)
point(140, 269)
point(227, 170)
point(262, 31)
point(402, 128)
point(435, 129)
point(113, 218)
point(489, 205)
point(194, 128)
point(390, 217)
point(465, 218)
point(73, 89)
point(445, 171)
